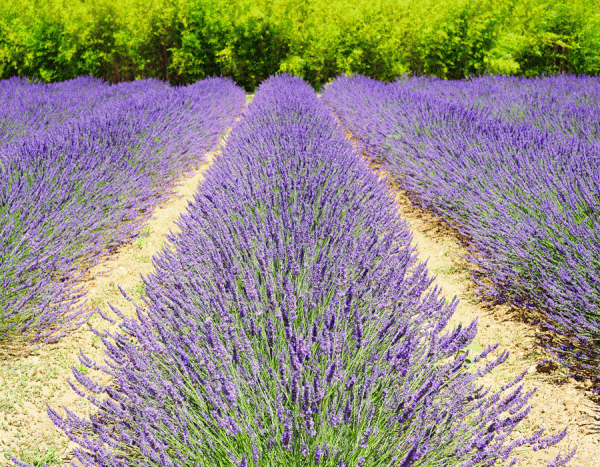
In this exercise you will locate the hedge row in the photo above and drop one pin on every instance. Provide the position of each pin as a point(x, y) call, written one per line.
point(182, 41)
point(518, 177)
point(82, 164)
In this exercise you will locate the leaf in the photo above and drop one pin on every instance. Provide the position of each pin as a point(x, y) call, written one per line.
point(474, 348)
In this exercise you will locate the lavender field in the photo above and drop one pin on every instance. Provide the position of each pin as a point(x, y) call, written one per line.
point(513, 165)
point(82, 164)
point(291, 323)
point(289, 320)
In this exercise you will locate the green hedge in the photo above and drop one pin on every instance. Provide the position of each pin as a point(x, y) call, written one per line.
point(182, 41)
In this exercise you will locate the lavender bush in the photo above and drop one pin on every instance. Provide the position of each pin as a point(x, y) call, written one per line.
point(561, 103)
point(82, 165)
point(289, 323)
point(30, 106)
point(528, 197)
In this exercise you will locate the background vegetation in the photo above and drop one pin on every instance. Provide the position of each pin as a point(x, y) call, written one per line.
point(182, 41)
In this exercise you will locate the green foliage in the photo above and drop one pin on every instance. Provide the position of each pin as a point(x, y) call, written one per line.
point(452, 42)
point(182, 41)
point(36, 456)
point(548, 37)
point(474, 350)
point(587, 57)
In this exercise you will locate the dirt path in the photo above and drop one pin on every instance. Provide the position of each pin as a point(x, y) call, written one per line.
point(29, 379)
point(558, 402)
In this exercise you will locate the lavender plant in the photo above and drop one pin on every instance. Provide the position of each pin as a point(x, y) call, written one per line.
point(527, 197)
point(82, 165)
point(561, 103)
point(289, 323)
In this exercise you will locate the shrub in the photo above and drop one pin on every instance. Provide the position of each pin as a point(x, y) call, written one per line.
point(289, 323)
point(82, 165)
point(517, 177)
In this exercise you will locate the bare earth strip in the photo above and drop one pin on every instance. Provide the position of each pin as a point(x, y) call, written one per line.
point(558, 401)
point(29, 379)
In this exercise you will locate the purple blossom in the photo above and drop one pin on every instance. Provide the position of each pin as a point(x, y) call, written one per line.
point(511, 164)
point(82, 165)
point(288, 182)
point(318, 454)
point(285, 437)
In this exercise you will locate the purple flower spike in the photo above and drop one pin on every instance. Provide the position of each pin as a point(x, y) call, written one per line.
point(290, 210)
point(82, 165)
point(512, 165)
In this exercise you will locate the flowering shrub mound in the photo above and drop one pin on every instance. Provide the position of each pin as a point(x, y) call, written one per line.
point(82, 163)
point(527, 193)
point(289, 323)
point(567, 104)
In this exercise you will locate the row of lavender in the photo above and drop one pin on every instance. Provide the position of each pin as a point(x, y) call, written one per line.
point(289, 323)
point(528, 197)
point(561, 103)
point(82, 163)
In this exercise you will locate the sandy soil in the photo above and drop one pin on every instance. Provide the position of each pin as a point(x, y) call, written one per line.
point(558, 401)
point(30, 378)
